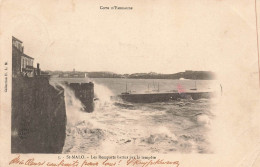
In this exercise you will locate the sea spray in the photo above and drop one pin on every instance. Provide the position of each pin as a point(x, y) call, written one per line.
point(120, 127)
point(81, 126)
point(74, 108)
point(103, 96)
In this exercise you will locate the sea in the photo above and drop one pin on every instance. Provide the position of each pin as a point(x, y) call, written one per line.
point(118, 127)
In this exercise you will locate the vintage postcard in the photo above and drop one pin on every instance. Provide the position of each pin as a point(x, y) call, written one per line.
point(112, 83)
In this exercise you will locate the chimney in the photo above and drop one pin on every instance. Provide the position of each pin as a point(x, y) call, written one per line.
point(38, 69)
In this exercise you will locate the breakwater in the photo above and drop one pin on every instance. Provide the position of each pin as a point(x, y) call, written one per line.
point(162, 97)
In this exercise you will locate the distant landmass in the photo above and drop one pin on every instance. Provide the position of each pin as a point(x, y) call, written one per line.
point(188, 74)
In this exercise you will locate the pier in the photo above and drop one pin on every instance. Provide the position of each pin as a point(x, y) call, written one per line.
point(163, 97)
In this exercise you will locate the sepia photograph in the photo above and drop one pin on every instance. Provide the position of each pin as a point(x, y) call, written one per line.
point(56, 111)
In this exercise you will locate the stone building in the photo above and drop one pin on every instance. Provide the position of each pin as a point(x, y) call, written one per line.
point(22, 63)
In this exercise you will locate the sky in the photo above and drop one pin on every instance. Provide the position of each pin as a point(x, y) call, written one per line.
point(156, 36)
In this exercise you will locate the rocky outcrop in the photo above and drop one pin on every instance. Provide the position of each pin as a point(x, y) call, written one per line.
point(38, 116)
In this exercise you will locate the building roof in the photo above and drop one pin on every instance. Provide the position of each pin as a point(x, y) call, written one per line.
point(16, 39)
point(27, 56)
point(19, 50)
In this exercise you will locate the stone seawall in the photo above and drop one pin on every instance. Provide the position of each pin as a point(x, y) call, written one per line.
point(38, 116)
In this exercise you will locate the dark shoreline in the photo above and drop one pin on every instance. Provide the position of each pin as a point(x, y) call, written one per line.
point(195, 75)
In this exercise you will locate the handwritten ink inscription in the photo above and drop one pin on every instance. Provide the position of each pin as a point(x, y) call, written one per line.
point(133, 162)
